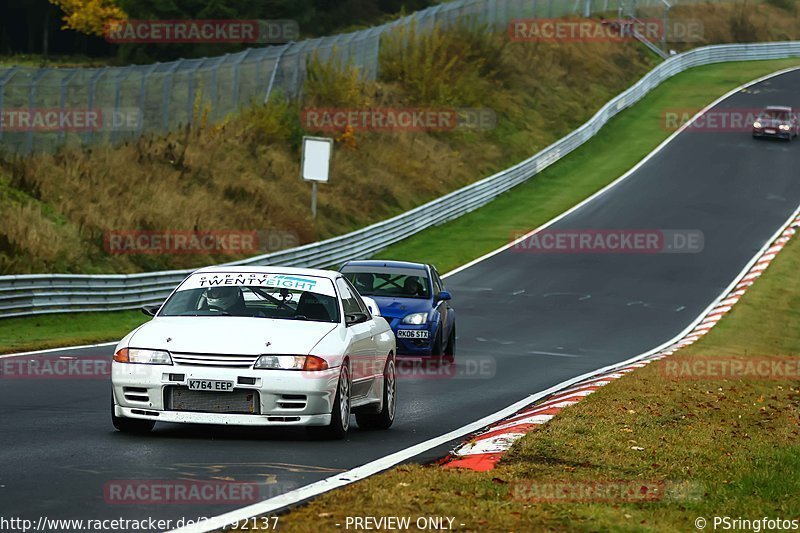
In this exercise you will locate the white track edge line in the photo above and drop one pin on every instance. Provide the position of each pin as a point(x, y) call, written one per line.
point(619, 180)
point(362, 472)
point(66, 348)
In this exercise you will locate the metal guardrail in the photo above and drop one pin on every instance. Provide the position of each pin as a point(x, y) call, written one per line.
point(26, 295)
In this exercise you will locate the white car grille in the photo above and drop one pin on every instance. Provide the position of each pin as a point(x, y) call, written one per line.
point(214, 359)
point(238, 401)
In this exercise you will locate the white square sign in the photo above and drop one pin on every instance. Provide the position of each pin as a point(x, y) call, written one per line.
point(317, 152)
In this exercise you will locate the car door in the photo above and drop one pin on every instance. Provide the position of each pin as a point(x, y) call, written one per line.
point(362, 347)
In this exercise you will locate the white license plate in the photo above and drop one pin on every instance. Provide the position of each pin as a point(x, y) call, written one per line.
point(210, 385)
point(771, 132)
point(412, 334)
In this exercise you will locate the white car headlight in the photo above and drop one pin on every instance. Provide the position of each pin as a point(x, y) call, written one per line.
point(416, 319)
point(784, 127)
point(143, 357)
point(756, 124)
point(291, 362)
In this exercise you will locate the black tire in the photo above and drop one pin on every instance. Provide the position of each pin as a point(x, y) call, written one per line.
point(340, 413)
point(450, 349)
point(437, 350)
point(134, 426)
point(385, 418)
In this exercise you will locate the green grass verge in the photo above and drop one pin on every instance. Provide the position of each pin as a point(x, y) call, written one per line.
point(723, 448)
point(622, 143)
point(38, 61)
point(57, 330)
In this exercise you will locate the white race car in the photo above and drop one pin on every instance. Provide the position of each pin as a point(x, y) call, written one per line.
point(258, 346)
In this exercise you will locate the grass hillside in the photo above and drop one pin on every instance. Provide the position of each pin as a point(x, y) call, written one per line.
point(242, 174)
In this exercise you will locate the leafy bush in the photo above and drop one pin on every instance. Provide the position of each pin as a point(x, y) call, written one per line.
point(454, 67)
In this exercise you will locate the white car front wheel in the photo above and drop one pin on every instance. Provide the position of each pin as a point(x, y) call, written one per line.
point(385, 418)
point(135, 426)
point(340, 413)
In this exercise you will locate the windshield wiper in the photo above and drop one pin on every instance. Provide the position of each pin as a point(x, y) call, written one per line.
point(219, 313)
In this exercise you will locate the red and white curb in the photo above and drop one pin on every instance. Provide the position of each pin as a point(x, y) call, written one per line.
point(485, 449)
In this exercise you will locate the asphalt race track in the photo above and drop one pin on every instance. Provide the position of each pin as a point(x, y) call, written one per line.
point(533, 319)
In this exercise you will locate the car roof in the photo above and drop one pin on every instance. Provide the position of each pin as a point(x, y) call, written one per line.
point(236, 269)
point(387, 264)
point(778, 108)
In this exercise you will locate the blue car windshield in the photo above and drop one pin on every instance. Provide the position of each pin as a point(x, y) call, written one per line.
point(390, 282)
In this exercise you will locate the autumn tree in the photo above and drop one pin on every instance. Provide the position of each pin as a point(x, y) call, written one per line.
point(90, 16)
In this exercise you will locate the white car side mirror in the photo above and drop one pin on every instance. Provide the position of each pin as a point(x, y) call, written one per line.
point(372, 306)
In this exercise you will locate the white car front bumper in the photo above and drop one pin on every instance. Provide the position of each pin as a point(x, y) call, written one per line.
point(273, 397)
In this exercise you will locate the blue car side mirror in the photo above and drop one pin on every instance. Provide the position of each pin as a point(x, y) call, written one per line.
point(444, 296)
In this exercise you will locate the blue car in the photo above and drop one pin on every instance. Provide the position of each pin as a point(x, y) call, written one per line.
point(412, 298)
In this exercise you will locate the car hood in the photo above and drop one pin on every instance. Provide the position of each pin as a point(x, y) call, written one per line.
point(230, 335)
point(773, 122)
point(399, 307)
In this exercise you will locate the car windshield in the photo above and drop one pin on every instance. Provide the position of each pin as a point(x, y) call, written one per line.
point(775, 114)
point(255, 295)
point(386, 281)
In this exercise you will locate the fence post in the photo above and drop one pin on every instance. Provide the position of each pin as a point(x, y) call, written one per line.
point(190, 88)
point(142, 93)
point(376, 51)
point(32, 105)
point(237, 74)
point(299, 66)
point(87, 138)
point(215, 83)
point(62, 101)
point(490, 14)
point(4, 79)
point(347, 61)
point(275, 68)
point(168, 82)
point(117, 89)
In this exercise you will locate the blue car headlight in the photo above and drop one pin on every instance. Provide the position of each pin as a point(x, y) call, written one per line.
point(416, 319)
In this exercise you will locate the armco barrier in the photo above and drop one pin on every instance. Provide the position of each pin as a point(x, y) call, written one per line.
point(57, 293)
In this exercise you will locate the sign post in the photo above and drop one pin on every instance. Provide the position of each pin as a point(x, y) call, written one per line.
point(316, 165)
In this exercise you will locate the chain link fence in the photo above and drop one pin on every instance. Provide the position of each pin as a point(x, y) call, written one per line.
point(165, 96)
